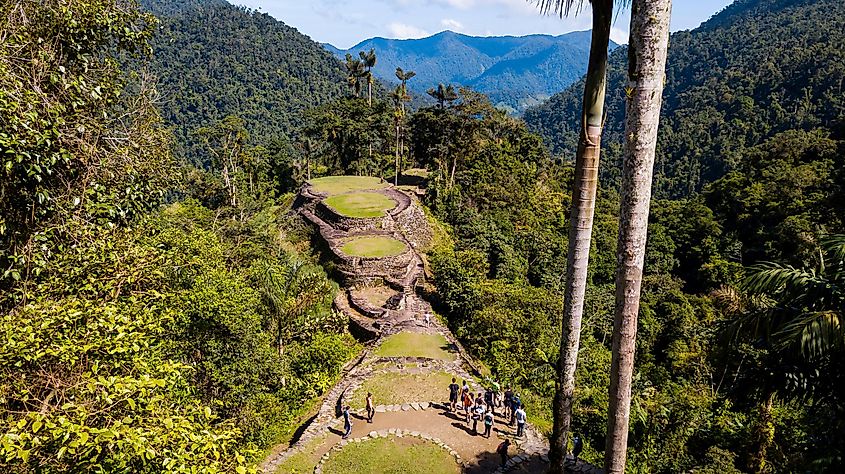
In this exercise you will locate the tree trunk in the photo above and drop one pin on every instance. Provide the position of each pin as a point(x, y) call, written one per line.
point(647, 48)
point(765, 434)
point(396, 177)
point(581, 229)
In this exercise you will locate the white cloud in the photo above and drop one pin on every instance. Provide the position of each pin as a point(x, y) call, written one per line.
point(519, 5)
point(451, 24)
point(404, 31)
point(618, 35)
point(459, 4)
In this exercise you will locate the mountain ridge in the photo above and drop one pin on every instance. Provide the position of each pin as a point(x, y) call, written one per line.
point(515, 71)
point(725, 91)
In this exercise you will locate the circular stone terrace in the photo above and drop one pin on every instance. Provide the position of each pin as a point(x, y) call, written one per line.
point(333, 185)
point(360, 205)
point(373, 246)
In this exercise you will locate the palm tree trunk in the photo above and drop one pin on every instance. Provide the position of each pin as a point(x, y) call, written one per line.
point(396, 176)
point(647, 49)
point(581, 229)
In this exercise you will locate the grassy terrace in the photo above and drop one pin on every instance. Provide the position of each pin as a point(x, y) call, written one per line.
point(375, 246)
point(344, 184)
point(394, 388)
point(304, 461)
point(410, 344)
point(361, 205)
point(392, 456)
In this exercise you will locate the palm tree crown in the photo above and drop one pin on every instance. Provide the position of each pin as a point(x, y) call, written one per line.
point(808, 304)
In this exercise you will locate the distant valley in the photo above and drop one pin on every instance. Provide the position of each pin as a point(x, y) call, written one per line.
point(515, 72)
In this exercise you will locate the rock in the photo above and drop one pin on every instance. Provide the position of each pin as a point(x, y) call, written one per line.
point(392, 431)
point(415, 434)
point(406, 407)
point(453, 453)
point(381, 409)
point(425, 405)
point(415, 406)
point(373, 434)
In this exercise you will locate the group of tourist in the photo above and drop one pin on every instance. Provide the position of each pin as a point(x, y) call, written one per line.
point(481, 406)
point(477, 407)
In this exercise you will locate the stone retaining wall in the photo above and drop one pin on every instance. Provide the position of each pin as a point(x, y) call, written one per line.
point(352, 224)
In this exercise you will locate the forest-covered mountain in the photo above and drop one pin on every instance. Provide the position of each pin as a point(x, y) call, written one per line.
point(213, 59)
point(515, 72)
point(757, 68)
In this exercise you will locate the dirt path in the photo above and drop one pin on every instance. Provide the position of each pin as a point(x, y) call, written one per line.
point(429, 418)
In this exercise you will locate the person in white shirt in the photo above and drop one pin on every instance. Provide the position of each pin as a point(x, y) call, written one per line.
point(521, 417)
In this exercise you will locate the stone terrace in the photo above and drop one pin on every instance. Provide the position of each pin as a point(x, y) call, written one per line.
point(410, 383)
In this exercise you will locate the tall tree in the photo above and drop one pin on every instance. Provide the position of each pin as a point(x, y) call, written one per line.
point(581, 216)
point(298, 297)
point(226, 142)
point(368, 61)
point(400, 96)
point(354, 72)
point(647, 47)
point(443, 94)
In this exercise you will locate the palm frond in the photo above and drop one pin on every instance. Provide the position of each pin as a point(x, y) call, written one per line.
point(787, 283)
point(818, 333)
point(561, 7)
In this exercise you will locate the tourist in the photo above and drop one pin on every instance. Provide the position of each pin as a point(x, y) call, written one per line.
point(467, 401)
point(516, 402)
point(488, 423)
point(577, 447)
point(465, 388)
point(347, 422)
point(371, 410)
point(503, 451)
point(489, 399)
point(454, 388)
point(520, 420)
point(508, 401)
point(477, 413)
point(427, 319)
point(497, 394)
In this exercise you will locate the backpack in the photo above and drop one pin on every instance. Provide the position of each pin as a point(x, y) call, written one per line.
point(488, 419)
point(502, 449)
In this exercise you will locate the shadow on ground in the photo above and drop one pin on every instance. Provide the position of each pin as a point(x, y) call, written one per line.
point(485, 463)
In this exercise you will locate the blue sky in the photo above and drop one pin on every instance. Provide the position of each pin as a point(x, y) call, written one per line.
point(344, 23)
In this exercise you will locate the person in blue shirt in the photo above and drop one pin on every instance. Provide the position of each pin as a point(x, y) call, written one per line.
point(516, 402)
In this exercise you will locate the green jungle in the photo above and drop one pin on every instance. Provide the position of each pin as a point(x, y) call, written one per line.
point(163, 309)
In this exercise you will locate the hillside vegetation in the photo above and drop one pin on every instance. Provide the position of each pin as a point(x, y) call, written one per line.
point(515, 72)
point(158, 316)
point(757, 69)
point(213, 59)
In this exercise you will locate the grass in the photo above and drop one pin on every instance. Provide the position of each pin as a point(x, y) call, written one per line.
point(303, 461)
point(393, 388)
point(376, 296)
point(343, 184)
point(409, 344)
point(361, 205)
point(391, 455)
point(375, 246)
